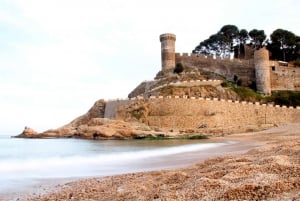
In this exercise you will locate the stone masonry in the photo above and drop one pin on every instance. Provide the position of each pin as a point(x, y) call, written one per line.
point(262, 71)
point(167, 50)
point(267, 75)
point(176, 113)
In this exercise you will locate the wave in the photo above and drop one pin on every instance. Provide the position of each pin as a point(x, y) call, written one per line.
point(83, 165)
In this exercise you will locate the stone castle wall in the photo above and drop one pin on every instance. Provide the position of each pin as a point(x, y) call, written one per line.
point(284, 78)
point(243, 69)
point(178, 113)
point(190, 113)
point(258, 70)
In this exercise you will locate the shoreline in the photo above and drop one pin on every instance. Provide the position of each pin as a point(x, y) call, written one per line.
point(267, 170)
point(175, 161)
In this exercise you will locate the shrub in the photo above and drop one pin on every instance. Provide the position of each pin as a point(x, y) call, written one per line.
point(288, 98)
point(297, 62)
point(179, 68)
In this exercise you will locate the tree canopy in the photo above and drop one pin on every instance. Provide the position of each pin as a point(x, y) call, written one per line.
point(284, 45)
point(229, 40)
point(219, 44)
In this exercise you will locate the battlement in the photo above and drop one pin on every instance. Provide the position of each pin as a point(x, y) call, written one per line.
point(258, 69)
point(184, 112)
point(184, 56)
point(119, 102)
point(215, 100)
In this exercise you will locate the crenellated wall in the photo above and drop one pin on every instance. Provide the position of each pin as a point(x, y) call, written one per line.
point(255, 69)
point(189, 113)
point(243, 69)
point(178, 113)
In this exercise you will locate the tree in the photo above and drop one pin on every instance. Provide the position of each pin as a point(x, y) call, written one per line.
point(179, 68)
point(243, 37)
point(219, 44)
point(257, 37)
point(284, 45)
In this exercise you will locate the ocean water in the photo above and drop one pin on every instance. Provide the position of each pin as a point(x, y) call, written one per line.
point(24, 162)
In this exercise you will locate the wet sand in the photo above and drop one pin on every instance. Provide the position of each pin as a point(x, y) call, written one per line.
point(270, 170)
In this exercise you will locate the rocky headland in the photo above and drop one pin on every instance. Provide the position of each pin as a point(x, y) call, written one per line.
point(93, 125)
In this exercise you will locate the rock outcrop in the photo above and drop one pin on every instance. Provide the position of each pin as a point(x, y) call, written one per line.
point(28, 132)
point(97, 111)
point(99, 128)
point(92, 125)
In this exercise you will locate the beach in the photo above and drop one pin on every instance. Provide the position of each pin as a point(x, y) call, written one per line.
point(269, 170)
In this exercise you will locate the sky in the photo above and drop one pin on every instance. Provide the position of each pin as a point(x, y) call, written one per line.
point(57, 57)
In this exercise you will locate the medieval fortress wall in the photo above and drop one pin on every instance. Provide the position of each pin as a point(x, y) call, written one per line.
point(243, 69)
point(173, 112)
point(268, 75)
point(176, 113)
point(284, 78)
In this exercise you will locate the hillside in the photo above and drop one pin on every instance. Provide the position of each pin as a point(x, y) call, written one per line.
point(191, 82)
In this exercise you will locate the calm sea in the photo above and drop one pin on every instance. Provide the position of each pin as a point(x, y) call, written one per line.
point(23, 162)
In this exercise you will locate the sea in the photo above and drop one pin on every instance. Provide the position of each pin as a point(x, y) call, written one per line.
point(26, 163)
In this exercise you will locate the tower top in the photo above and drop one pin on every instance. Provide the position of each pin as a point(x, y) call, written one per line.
point(167, 36)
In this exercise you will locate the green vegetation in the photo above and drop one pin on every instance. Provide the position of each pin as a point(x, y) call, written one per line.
point(230, 39)
point(288, 98)
point(284, 45)
point(162, 137)
point(245, 93)
point(179, 68)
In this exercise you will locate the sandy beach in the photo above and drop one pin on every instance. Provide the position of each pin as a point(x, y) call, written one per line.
point(270, 171)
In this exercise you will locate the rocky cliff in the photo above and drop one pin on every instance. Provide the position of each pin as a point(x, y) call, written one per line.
point(93, 125)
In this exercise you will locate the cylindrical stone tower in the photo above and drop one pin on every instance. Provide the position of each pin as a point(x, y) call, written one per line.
point(167, 50)
point(262, 71)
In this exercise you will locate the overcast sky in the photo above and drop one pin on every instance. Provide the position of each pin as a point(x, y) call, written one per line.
point(57, 57)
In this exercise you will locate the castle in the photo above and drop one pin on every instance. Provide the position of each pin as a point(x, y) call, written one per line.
point(194, 101)
point(173, 101)
point(267, 75)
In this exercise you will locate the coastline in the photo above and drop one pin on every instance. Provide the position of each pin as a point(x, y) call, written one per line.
point(269, 171)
